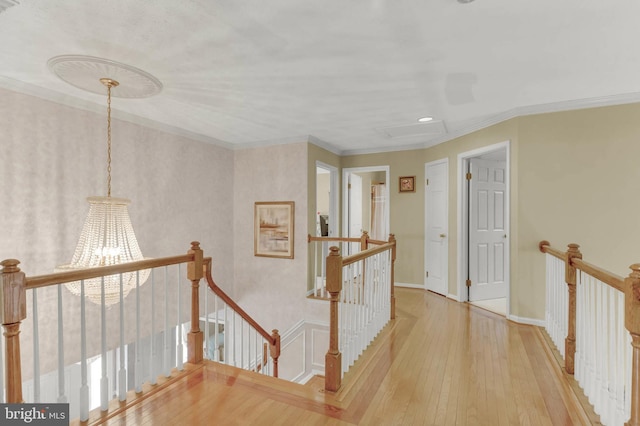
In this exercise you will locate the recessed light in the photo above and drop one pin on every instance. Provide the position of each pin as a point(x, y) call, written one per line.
point(424, 119)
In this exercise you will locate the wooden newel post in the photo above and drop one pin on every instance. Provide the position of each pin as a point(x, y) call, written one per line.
point(194, 337)
point(333, 358)
point(13, 309)
point(392, 239)
point(364, 241)
point(632, 323)
point(274, 351)
point(571, 278)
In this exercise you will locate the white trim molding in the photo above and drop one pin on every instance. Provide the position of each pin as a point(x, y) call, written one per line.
point(453, 297)
point(407, 285)
point(527, 321)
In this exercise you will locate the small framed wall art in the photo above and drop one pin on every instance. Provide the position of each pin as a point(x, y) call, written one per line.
point(273, 229)
point(407, 183)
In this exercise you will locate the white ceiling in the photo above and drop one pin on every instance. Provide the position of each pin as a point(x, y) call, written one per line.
point(353, 76)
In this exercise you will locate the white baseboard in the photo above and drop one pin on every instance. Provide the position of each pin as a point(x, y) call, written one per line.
point(313, 373)
point(528, 321)
point(453, 297)
point(407, 285)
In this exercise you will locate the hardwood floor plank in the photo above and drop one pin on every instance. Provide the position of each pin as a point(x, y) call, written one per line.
point(439, 363)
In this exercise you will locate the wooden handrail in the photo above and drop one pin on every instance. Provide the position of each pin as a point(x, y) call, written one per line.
point(609, 278)
point(229, 301)
point(273, 338)
point(367, 253)
point(333, 239)
point(545, 247)
point(103, 271)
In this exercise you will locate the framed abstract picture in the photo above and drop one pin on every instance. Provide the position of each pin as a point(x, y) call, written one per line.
point(273, 229)
point(407, 183)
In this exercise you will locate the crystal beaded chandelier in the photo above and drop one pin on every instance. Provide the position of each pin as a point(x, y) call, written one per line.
point(107, 236)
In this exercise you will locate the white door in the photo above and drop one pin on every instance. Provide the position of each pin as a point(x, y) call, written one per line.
point(487, 230)
point(436, 226)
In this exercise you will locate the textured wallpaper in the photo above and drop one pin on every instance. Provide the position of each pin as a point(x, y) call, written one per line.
point(52, 157)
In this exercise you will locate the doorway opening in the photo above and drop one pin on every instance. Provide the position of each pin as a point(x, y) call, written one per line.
point(483, 228)
point(366, 203)
point(327, 220)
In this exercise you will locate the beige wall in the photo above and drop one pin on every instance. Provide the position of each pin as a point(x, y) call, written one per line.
point(573, 179)
point(578, 182)
point(407, 209)
point(322, 193)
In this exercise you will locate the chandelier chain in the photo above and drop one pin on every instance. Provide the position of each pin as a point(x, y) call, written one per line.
point(108, 140)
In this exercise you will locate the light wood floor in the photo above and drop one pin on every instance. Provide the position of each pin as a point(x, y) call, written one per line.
point(439, 363)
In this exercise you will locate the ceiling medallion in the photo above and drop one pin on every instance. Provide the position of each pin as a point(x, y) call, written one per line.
point(83, 71)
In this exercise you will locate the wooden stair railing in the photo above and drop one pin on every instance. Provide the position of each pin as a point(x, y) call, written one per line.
point(14, 285)
point(13, 310)
point(273, 339)
point(629, 287)
point(320, 248)
point(335, 264)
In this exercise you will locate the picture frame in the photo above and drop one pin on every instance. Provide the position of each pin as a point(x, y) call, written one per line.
point(273, 226)
point(407, 183)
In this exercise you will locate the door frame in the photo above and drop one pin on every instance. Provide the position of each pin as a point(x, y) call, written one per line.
point(463, 217)
point(334, 199)
point(426, 222)
point(345, 193)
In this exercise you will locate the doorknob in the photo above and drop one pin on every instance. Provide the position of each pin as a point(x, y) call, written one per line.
point(505, 236)
point(442, 235)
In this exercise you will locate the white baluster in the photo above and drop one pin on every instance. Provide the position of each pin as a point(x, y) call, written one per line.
point(257, 350)
point(611, 356)
point(621, 344)
point(152, 358)
point(207, 344)
point(84, 389)
point(138, 361)
point(590, 385)
point(628, 369)
point(180, 350)
point(36, 349)
point(242, 365)
point(235, 337)
point(167, 331)
point(104, 382)
point(62, 397)
point(323, 269)
point(2, 398)
point(226, 336)
point(114, 372)
point(122, 372)
point(216, 328)
point(579, 356)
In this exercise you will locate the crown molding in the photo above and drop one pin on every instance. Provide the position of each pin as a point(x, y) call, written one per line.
point(522, 111)
point(74, 102)
point(476, 125)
